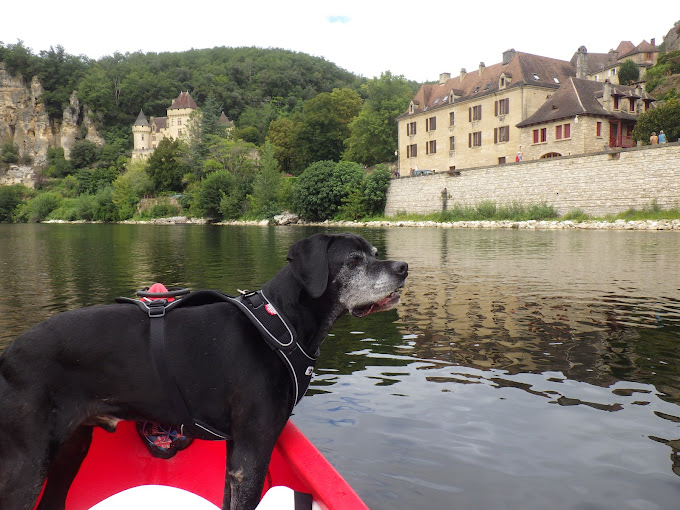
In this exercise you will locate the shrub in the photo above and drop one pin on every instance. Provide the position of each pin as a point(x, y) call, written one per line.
point(214, 188)
point(40, 207)
point(320, 190)
point(10, 198)
point(9, 153)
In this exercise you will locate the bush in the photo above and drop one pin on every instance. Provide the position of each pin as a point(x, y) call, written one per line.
point(9, 153)
point(163, 210)
point(40, 207)
point(84, 154)
point(214, 188)
point(320, 190)
point(10, 198)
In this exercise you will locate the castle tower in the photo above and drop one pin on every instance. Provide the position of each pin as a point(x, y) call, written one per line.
point(178, 115)
point(141, 133)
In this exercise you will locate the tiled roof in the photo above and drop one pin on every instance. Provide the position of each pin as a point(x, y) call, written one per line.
point(224, 120)
point(184, 100)
point(522, 68)
point(643, 47)
point(141, 119)
point(624, 47)
point(580, 97)
point(161, 122)
point(598, 61)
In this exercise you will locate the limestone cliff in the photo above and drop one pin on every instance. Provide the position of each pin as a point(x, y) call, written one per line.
point(24, 120)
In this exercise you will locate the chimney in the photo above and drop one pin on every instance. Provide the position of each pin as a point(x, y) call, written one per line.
point(444, 77)
point(606, 95)
point(481, 68)
point(653, 42)
point(582, 63)
point(463, 72)
point(507, 56)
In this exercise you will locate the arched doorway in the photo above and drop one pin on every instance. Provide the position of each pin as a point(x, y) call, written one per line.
point(551, 155)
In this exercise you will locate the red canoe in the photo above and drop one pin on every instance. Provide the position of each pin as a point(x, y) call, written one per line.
point(120, 461)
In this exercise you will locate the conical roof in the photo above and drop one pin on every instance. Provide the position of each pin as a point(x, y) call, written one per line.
point(141, 119)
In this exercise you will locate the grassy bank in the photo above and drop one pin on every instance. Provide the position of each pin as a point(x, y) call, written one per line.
point(490, 211)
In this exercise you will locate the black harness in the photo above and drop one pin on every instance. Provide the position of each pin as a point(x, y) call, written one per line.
point(274, 328)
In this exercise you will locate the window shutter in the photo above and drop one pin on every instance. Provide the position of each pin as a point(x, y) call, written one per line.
point(495, 105)
point(507, 105)
point(495, 134)
point(470, 114)
point(567, 130)
point(469, 139)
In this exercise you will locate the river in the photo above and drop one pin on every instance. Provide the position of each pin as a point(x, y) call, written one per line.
point(524, 369)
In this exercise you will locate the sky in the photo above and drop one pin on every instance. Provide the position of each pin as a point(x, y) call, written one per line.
point(367, 38)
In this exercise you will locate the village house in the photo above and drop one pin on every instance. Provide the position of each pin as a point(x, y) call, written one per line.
point(605, 66)
point(583, 116)
point(471, 120)
point(147, 134)
point(526, 107)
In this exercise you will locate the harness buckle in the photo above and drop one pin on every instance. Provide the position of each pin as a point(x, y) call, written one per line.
point(156, 307)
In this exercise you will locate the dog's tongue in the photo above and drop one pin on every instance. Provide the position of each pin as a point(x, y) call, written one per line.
point(363, 311)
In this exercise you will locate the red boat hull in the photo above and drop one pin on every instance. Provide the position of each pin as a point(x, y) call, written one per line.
point(119, 461)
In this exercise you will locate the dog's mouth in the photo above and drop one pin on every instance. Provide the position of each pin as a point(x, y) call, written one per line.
point(386, 303)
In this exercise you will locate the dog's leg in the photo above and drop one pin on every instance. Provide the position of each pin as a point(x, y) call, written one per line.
point(64, 469)
point(21, 474)
point(247, 463)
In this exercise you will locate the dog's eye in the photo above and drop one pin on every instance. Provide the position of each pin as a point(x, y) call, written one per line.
point(355, 259)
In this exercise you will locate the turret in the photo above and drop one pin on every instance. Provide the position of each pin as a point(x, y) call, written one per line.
point(141, 134)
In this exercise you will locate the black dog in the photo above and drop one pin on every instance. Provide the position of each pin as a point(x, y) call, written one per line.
point(94, 367)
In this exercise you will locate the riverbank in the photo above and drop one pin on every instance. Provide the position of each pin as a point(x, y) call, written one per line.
point(526, 225)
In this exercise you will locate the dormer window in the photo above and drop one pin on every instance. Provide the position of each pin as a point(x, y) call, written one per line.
point(488, 85)
point(555, 79)
point(411, 107)
point(476, 90)
point(536, 77)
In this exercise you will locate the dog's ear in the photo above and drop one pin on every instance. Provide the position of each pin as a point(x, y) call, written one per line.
point(308, 259)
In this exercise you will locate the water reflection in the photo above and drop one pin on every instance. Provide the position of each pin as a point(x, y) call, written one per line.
point(523, 369)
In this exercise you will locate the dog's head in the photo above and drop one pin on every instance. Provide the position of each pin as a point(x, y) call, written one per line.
point(346, 268)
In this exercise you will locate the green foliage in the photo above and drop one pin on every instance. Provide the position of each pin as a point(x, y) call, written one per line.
point(214, 188)
point(667, 64)
point(57, 164)
point(375, 190)
point(84, 154)
point(166, 166)
point(10, 198)
point(491, 211)
point(129, 188)
point(163, 209)
point(267, 184)
point(320, 190)
point(39, 208)
point(9, 153)
point(629, 73)
point(373, 137)
point(666, 116)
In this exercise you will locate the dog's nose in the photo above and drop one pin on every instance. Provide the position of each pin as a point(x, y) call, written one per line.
point(401, 269)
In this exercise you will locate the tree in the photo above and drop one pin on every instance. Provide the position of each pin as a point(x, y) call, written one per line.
point(10, 198)
point(214, 187)
point(9, 153)
point(375, 190)
point(629, 73)
point(165, 166)
point(283, 134)
point(325, 124)
point(129, 188)
point(320, 190)
point(666, 116)
point(373, 137)
point(267, 184)
point(84, 154)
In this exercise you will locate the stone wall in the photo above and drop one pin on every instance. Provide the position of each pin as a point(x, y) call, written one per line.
point(598, 184)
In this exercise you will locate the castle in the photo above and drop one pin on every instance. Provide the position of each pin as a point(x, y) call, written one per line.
point(148, 134)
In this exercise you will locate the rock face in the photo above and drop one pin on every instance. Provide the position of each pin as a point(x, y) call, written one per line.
point(672, 39)
point(24, 120)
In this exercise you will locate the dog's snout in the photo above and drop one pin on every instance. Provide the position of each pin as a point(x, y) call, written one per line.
point(401, 269)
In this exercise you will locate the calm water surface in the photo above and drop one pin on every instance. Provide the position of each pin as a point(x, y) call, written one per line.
point(523, 369)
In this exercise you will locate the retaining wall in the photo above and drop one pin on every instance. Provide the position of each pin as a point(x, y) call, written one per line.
point(598, 184)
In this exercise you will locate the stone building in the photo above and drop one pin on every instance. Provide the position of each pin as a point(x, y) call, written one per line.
point(583, 116)
point(147, 134)
point(605, 66)
point(471, 120)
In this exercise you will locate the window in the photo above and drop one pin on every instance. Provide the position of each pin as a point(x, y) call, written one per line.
point(179, 132)
point(501, 160)
point(616, 102)
point(540, 135)
point(452, 143)
point(412, 151)
point(598, 129)
point(501, 134)
point(431, 147)
point(475, 139)
point(502, 106)
point(536, 77)
point(179, 122)
point(451, 118)
point(631, 106)
point(411, 128)
point(475, 112)
point(562, 131)
point(613, 72)
point(142, 136)
point(431, 124)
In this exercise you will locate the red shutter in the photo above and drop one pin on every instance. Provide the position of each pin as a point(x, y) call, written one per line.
point(567, 130)
point(507, 132)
